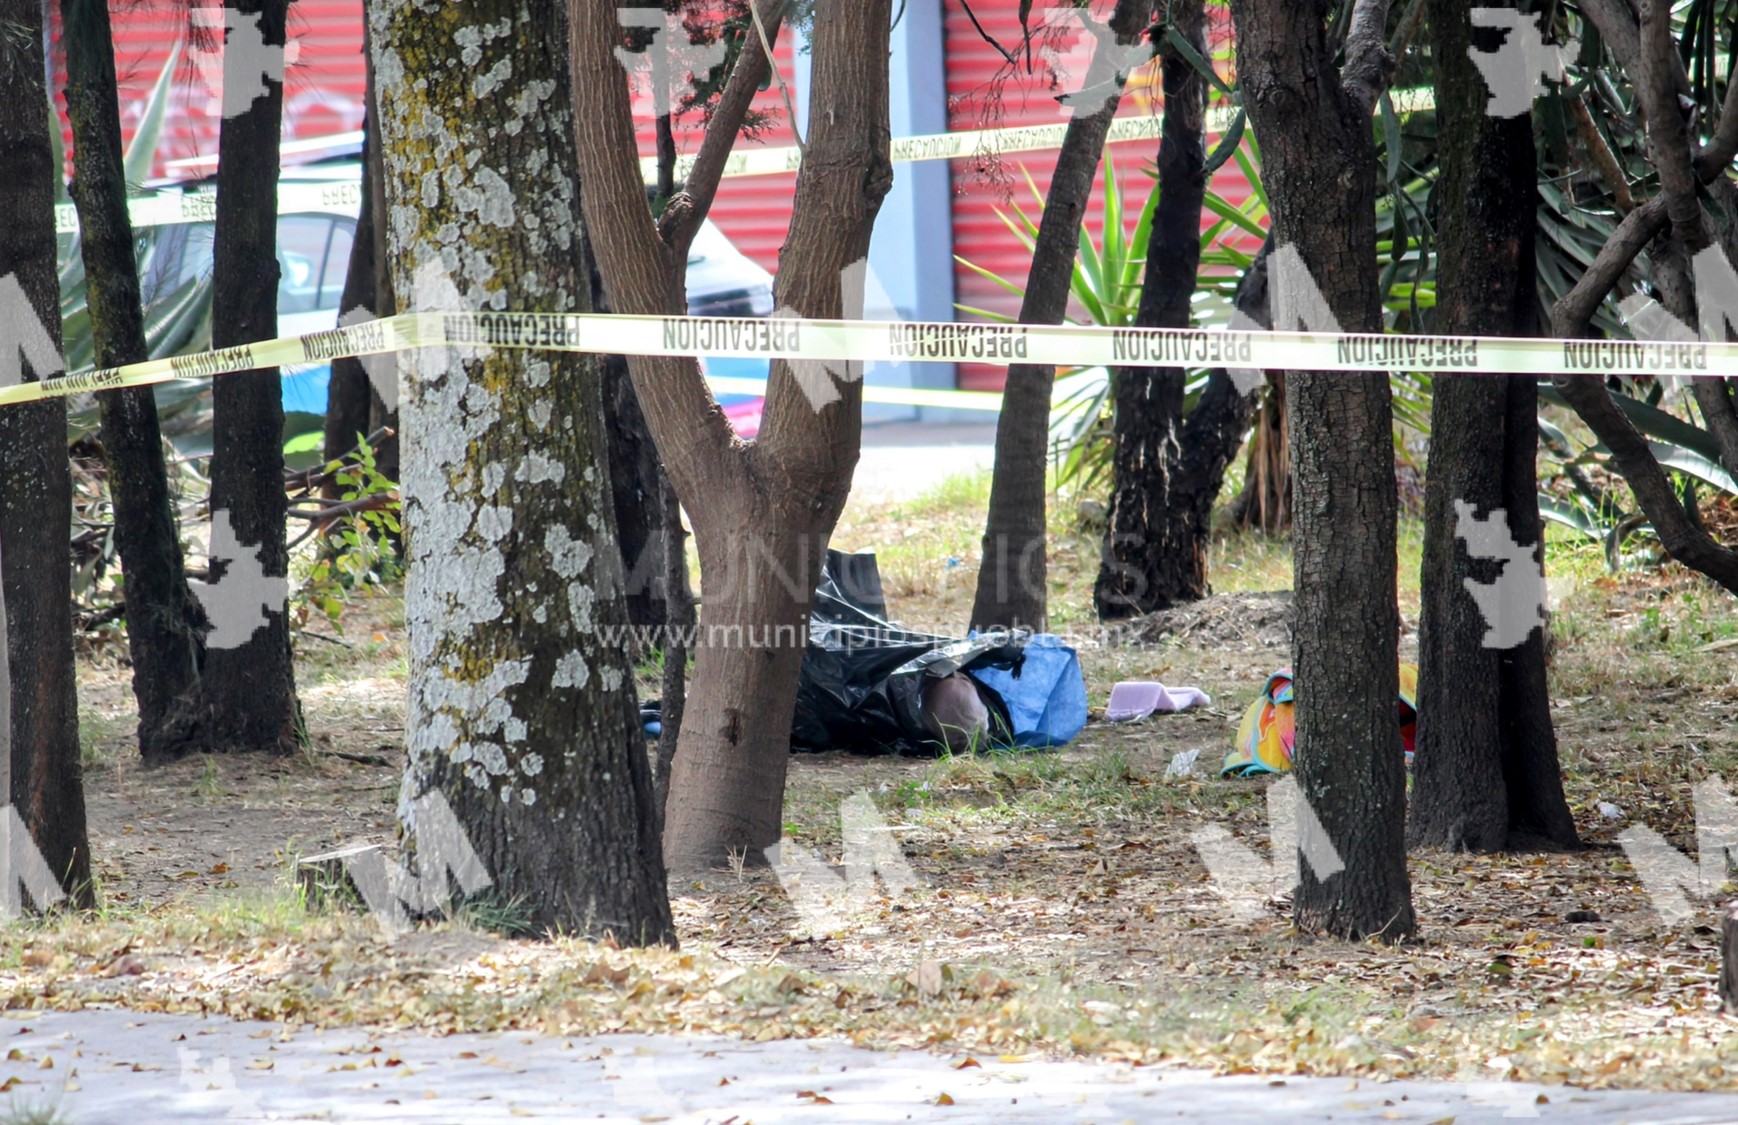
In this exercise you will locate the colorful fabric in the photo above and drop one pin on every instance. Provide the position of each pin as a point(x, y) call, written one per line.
point(1268, 733)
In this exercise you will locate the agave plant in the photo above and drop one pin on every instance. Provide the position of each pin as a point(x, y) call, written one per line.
point(1106, 284)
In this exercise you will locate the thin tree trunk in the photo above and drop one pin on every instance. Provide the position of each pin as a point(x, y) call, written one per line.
point(246, 700)
point(1319, 163)
point(46, 782)
point(1012, 585)
point(522, 712)
point(1168, 469)
point(350, 395)
point(1486, 775)
point(678, 642)
point(1264, 504)
point(165, 637)
point(380, 416)
point(761, 512)
point(635, 477)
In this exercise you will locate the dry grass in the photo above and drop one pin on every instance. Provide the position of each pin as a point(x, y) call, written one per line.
point(1060, 891)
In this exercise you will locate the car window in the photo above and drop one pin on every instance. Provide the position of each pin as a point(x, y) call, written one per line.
point(302, 241)
point(337, 265)
point(195, 254)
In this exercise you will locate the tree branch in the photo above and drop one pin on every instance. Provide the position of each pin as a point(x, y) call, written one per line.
point(640, 272)
point(987, 37)
point(1668, 134)
point(1723, 146)
point(750, 71)
point(1369, 68)
point(1407, 28)
point(1682, 538)
point(1615, 20)
point(1603, 158)
point(1572, 313)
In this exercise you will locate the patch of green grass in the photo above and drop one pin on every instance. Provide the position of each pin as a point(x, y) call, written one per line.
point(96, 734)
point(208, 786)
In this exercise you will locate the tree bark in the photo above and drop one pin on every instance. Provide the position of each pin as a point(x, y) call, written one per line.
point(761, 511)
point(46, 781)
point(165, 626)
point(638, 495)
point(1485, 776)
point(350, 394)
point(1319, 163)
point(1729, 959)
point(522, 712)
point(1012, 586)
point(1168, 469)
point(246, 698)
point(1264, 503)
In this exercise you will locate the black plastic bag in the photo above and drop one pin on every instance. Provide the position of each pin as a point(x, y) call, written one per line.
point(861, 683)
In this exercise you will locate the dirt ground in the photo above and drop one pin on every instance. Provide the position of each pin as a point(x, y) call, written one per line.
point(1061, 902)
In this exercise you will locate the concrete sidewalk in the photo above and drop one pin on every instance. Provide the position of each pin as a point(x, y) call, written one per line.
point(903, 460)
point(125, 1068)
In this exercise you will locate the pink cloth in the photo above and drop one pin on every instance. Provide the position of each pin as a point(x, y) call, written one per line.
point(1135, 699)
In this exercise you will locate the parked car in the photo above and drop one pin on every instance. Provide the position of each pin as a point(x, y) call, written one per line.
point(175, 263)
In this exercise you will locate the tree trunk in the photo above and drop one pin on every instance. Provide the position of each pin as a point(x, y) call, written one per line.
point(350, 395)
point(1167, 469)
point(638, 495)
point(1485, 776)
point(1012, 583)
point(679, 631)
point(165, 627)
point(46, 782)
point(761, 511)
point(1319, 163)
point(246, 698)
point(1729, 959)
point(522, 712)
point(1264, 504)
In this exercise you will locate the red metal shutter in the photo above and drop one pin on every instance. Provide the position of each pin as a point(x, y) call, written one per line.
point(985, 91)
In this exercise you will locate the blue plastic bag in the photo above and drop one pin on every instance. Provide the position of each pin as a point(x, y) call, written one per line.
point(1047, 700)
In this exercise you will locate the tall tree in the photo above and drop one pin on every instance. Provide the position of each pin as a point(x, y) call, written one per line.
point(1168, 469)
point(1012, 588)
point(522, 712)
point(1312, 117)
point(246, 698)
point(761, 511)
point(165, 635)
point(46, 782)
point(1486, 775)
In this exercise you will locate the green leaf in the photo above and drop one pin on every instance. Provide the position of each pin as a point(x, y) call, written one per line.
point(142, 152)
point(1569, 516)
point(1217, 204)
point(1694, 464)
point(1229, 143)
point(1652, 422)
point(1183, 47)
point(1391, 137)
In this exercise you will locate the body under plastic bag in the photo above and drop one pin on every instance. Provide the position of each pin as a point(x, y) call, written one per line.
point(865, 681)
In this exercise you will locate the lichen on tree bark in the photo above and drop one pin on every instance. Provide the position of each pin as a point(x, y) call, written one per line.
point(522, 709)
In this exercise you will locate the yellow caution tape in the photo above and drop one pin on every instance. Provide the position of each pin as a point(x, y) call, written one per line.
point(840, 346)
